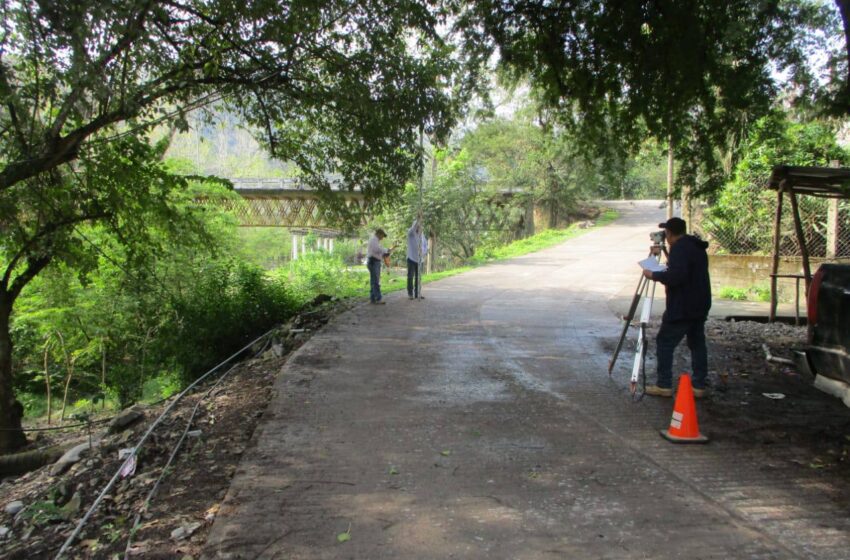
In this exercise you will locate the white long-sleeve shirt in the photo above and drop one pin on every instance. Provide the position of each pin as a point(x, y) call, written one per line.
point(417, 245)
point(375, 250)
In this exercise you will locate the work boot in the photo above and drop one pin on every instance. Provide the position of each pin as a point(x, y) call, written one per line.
point(700, 393)
point(657, 391)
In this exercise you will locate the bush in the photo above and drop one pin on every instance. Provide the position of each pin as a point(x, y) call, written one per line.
point(230, 304)
point(323, 273)
point(753, 293)
point(161, 387)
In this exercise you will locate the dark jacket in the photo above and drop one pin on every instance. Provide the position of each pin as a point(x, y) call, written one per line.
point(686, 280)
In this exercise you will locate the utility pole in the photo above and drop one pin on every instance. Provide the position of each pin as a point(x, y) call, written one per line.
point(670, 179)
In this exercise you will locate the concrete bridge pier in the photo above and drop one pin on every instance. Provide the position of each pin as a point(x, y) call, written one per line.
point(296, 242)
point(324, 242)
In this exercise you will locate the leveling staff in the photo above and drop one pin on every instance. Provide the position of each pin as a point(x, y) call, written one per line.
point(688, 301)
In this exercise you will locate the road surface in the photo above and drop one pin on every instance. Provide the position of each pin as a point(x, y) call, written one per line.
point(482, 423)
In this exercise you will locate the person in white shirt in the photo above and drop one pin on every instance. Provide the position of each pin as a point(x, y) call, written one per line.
point(417, 248)
point(374, 258)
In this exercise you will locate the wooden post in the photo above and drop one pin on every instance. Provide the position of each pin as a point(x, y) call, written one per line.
point(832, 224)
point(294, 247)
point(832, 229)
point(432, 252)
point(801, 241)
point(777, 228)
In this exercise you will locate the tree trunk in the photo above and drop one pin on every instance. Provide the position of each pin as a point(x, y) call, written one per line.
point(47, 379)
point(11, 411)
point(844, 10)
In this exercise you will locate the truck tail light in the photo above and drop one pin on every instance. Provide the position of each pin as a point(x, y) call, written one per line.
point(812, 302)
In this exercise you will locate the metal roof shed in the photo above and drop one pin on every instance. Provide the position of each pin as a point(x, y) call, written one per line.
point(824, 182)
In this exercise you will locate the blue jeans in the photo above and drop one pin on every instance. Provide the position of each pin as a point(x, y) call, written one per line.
point(374, 266)
point(669, 336)
point(413, 280)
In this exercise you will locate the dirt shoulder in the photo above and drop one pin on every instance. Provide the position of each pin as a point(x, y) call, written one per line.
point(769, 405)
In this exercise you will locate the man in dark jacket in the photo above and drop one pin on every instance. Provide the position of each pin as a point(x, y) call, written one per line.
point(688, 301)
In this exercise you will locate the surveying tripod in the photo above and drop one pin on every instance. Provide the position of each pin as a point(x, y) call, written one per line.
point(646, 290)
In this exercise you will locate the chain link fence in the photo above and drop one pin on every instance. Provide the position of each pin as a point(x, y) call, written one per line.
point(752, 233)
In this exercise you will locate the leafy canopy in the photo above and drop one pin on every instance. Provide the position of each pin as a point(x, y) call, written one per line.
point(690, 71)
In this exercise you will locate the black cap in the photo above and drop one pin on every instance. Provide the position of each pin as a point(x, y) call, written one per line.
point(676, 226)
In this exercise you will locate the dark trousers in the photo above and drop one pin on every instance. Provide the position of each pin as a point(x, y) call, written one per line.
point(669, 336)
point(413, 278)
point(374, 266)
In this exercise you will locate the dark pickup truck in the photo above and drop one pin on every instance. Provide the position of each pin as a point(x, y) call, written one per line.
point(827, 355)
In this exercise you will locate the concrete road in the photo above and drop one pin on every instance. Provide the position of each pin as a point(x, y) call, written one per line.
point(482, 423)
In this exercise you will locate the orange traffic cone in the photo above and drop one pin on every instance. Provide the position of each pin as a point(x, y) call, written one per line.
point(683, 424)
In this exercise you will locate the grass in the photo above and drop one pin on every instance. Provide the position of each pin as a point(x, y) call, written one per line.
point(540, 241)
point(35, 408)
point(753, 293)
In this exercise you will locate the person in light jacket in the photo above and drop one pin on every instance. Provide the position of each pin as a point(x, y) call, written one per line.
point(417, 248)
point(374, 260)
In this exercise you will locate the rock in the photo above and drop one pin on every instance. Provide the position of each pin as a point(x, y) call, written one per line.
point(185, 531)
point(125, 419)
point(14, 507)
point(4, 532)
point(64, 493)
point(193, 527)
point(72, 508)
point(70, 457)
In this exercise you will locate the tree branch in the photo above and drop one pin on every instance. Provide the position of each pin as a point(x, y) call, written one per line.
point(49, 229)
point(34, 266)
point(132, 31)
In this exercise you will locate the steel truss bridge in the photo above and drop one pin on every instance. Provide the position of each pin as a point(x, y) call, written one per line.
point(285, 203)
point(289, 203)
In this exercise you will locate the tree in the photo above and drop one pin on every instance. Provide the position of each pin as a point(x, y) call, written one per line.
point(740, 217)
point(537, 163)
point(689, 72)
point(337, 87)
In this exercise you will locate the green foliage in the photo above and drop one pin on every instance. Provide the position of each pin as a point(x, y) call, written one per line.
point(82, 87)
point(739, 218)
point(696, 71)
point(502, 180)
point(164, 314)
point(539, 164)
point(323, 273)
point(229, 304)
point(753, 293)
point(44, 512)
point(266, 247)
point(161, 387)
point(537, 242)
